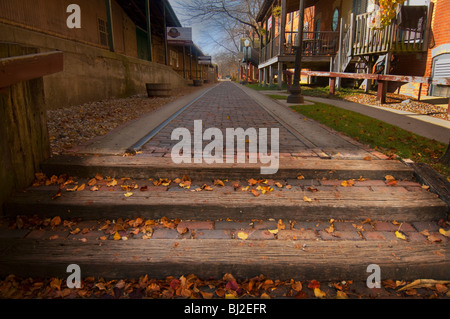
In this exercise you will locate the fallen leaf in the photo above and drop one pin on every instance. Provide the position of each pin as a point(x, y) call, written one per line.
point(252, 182)
point(313, 284)
point(94, 188)
point(446, 233)
point(55, 221)
point(242, 235)
point(296, 285)
point(434, 238)
point(264, 296)
point(112, 183)
point(279, 185)
point(341, 295)
point(441, 288)
point(319, 293)
point(273, 231)
point(367, 158)
point(58, 194)
point(281, 225)
point(206, 295)
point(72, 189)
point(300, 177)
point(55, 283)
point(348, 183)
point(99, 177)
point(53, 237)
point(117, 236)
point(312, 189)
point(92, 182)
point(219, 182)
point(128, 194)
point(400, 235)
point(75, 231)
point(307, 199)
point(255, 192)
point(81, 188)
point(389, 178)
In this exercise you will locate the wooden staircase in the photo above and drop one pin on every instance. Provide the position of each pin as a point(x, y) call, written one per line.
point(279, 227)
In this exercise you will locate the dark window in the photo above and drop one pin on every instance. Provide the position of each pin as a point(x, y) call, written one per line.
point(102, 31)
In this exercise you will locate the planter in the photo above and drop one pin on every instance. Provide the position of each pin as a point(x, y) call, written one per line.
point(158, 89)
point(198, 82)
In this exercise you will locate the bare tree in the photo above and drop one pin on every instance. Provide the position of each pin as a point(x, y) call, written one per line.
point(237, 18)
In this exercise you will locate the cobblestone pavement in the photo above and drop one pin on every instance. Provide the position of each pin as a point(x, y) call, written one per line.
point(226, 106)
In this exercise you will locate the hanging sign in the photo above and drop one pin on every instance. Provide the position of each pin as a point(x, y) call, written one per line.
point(204, 60)
point(179, 36)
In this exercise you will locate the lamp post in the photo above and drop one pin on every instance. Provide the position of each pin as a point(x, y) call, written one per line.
point(296, 96)
point(247, 45)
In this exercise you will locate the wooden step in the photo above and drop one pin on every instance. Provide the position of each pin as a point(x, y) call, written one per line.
point(280, 259)
point(297, 203)
point(146, 167)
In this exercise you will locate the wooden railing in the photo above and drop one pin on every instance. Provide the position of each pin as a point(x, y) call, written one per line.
point(395, 37)
point(321, 43)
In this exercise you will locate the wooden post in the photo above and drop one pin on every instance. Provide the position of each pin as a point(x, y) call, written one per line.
point(381, 93)
point(332, 86)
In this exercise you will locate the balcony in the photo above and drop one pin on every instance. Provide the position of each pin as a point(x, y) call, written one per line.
point(317, 44)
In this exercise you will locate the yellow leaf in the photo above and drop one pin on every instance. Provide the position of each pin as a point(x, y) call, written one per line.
point(112, 183)
point(273, 231)
point(348, 183)
point(230, 296)
point(319, 293)
point(117, 236)
point(446, 233)
point(265, 296)
point(400, 235)
point(300, 176)
point(72, 189)
point(341, 295)
point(242, 235)
point(389, 178)
point(92, 182)
point(81, 188)
point(307, 199)
point(128, 194)
point(279, 185)
point(218, 182)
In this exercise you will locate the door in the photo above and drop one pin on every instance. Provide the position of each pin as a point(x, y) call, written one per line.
point(441, 69)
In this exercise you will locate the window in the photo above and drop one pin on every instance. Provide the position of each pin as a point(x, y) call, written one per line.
point(335, 21)
point(102, 31)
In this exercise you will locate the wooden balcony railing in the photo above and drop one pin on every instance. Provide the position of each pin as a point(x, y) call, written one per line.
point(320, 43)
point(397, 37)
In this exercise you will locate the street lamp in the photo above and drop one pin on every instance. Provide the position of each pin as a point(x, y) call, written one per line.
point(247, 45)
point(296, 96)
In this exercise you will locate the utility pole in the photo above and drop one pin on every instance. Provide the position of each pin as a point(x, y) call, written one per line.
point(295, 96)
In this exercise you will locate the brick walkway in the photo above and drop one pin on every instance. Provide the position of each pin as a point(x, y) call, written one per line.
point(226, 106)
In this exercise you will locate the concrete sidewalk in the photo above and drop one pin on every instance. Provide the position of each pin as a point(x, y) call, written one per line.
point(423, 125)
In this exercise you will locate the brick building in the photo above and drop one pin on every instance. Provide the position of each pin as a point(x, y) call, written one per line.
point(434, 62)
point(120, 46)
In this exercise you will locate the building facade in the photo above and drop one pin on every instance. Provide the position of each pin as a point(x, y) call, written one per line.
point(120, 46)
